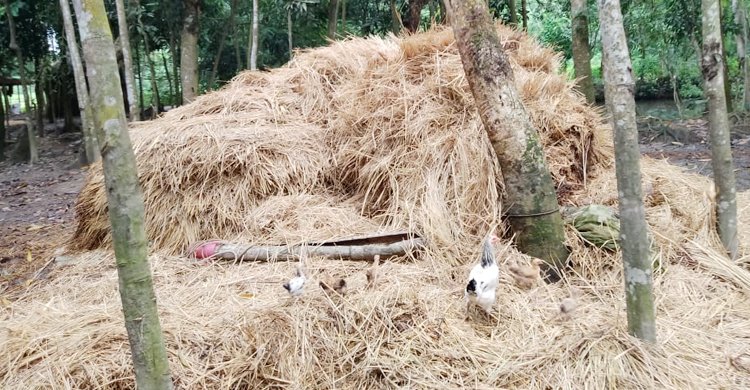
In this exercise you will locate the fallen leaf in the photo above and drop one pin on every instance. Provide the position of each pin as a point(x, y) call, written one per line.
point(28, 256)
point(247, 295)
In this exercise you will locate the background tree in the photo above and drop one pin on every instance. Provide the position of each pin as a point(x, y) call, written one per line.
point(126, 210)
point(618, 92)
point(91, 147)
point(581, 55)
point(530, 200)
point(712, 64)
point(127, 60)
point(189, 50)
point(31, 135)
point(253, 55)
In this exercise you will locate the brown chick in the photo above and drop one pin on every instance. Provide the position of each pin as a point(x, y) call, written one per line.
point(338, 286)
point(526, 276)
point(372, 272)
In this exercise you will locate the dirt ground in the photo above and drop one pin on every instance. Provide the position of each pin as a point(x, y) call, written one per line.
point(37, 203)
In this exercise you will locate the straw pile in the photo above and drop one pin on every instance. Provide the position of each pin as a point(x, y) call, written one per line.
point(233, 325)
point(386, 125)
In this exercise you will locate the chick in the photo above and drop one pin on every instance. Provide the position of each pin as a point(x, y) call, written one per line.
point(372, 272)
point(484, 278)
point(296, 285)
point(570, 304)
point(338, 286)
point(526, 276)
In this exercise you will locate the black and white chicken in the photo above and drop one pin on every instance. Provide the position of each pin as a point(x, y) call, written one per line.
point(296, 285)
point(484, 278)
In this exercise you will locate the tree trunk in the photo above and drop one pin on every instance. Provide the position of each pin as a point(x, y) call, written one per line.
point(169, 79)
point(712, 66)
point(581, 54)
point(343, 16)
point(2, 124)
point(127, 60)
point(51, 102)
point(513, 13)
point(140, 76)
point(741, 36)
point(530, 198)
point(396, 23)
point(189, 51)
point(39, 92)
point(33, 153)
point(150, 62)
point(619, 87)
point(253, 62)
point(90, 145)
point(6, 102)
point(222, 42)
point(333, 9)
point(126, 210)
point(235, 39)
point(68, 125)
point(289, 32)
point(524, 15)
point(415, 14)
point(175, 73)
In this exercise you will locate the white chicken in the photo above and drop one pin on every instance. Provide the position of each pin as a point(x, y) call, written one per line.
point(484, 278)
point(296, 285)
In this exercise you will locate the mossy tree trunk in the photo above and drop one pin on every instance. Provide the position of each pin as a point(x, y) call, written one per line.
point(91, 147)
point(524, 15)
point(33, 152)
point(127, 59)
point(741, 37)
point(189, 50)
point(124, 198)
point(712, 66)
point(620, 102)
point(396, 23)
point(530, 198)
point(581, 49)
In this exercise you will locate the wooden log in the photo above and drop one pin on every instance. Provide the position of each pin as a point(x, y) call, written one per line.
point(365, 252)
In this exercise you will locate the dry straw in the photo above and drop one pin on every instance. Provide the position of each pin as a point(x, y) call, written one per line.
point(368, 134)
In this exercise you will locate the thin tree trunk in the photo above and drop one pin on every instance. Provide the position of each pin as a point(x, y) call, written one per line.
point(140, 76)
point(396, 23)
point(333, 9)
point(169, 79)
point(343, 16)
point(253, 63)
point(51, 101)
point(2, 124)
point(619, 87)
point(39, 92)
point(126, 210)
point(127, 59)
point(712, 67)
point(235, 39)
point(741, 36)
point(581, 53)
point(189, 51)
point(33, 153)
point(513, 12)
point(530, 199)
point(222, 42)
point(173, 52)
point(150, 62)
point(68, 125)
point(6, 102)
point(289, 31)
point(524, 15)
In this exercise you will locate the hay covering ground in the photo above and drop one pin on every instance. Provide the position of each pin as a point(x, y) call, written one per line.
point(401, 162)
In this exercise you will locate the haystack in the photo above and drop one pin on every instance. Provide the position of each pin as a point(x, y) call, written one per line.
point(389, 125)
point(382, 133)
